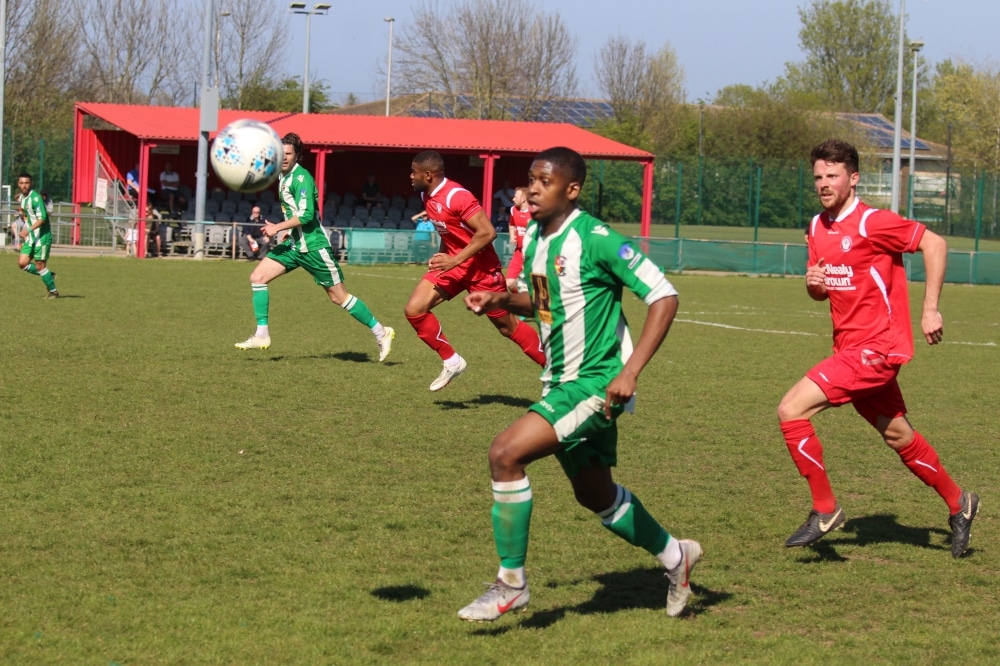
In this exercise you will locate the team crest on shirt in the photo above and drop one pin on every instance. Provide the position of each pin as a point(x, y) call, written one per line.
point(560, 265)
point(626, 252)
point(438, 204)
point(845, 243)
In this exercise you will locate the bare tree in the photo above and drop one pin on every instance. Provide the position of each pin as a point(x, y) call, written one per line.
point(505, 56)
point(645, 89)
point(42, 57)
point(248, 38)
point(133, 51)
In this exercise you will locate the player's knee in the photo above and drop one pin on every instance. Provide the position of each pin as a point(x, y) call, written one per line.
point(502, 456)
point(785, 411)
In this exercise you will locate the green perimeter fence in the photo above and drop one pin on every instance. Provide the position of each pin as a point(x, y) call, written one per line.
point(390, 246)
point(779, 194)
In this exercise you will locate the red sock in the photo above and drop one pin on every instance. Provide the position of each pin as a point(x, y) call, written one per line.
point(527, 339)
point(807, 452)
point(921, 459)
point(428, 329)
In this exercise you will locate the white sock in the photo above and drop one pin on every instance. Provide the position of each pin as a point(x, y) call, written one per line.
point(379, 331)
point(262, 331)
point(671, 555)
point(513, 577)
point(453, 361)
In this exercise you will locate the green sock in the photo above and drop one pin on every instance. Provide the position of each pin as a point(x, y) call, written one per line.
point(30, 268)
point(261, 301)
point(357, 308)
point(629, 519)
point(511, 520)
point(50, 282)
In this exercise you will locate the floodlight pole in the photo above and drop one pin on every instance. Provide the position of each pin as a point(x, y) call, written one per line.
point(208, 121)
point(897, 138)
point(3, 74)
point(320, 8)
point(915, 47)
point(388, 72)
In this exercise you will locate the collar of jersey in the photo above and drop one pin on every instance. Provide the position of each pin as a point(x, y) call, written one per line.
point(850, 209)
point(438, 188)
point(562, 227)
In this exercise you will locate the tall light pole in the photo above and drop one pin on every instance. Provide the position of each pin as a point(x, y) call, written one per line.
point(388, 71)
point(320, 8)
point(3, 74)
point(897, 138)
point(218, 42)
point(915, 47)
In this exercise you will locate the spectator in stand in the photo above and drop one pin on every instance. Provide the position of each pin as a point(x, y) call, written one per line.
point(370, 193)
point(153, 229)
point(255, 245)
point(132, 183)
point(170, 181)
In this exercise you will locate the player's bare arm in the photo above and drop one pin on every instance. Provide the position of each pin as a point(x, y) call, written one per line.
point(816, 281)
point(483, 235)
point(658, 320)
point(935, 253)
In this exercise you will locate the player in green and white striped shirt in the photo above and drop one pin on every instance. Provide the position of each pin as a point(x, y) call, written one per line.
point(37, 236)
point(306, 246)
point(576, 268)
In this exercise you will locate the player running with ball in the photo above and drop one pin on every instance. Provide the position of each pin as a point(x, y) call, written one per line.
point(306, 246)
point(576, 268)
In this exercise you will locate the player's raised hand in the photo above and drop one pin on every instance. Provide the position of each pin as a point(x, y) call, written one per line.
point(815, 275)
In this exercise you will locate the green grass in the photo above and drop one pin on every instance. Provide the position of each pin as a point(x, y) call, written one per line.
point(168, 499)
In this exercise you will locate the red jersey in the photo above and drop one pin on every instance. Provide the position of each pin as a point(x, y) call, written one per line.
point(519, 224)
point(865, 278)
point(449, 206)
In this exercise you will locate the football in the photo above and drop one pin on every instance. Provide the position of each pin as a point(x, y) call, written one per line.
point(246, 155)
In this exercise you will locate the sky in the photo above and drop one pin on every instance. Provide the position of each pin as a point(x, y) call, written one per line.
point(718, 42)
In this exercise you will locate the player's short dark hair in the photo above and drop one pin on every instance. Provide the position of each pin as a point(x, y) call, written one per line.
point(292, 139)
point(431, 159)
point(25, 174)
point(837, 152)
point(567, 160)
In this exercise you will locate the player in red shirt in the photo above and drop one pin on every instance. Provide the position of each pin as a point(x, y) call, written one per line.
point(466, 261)
point(520, 215)
point(856, 262)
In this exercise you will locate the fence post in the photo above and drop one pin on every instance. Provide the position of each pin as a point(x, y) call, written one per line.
point(677, 214)
point(980, 183)
point(750, 196)
point(701, 172)
point(41, 164)
point(802, 187)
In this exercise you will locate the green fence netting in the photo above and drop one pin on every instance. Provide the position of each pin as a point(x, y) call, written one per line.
point(377, 246)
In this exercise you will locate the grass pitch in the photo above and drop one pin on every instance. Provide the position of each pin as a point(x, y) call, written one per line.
point(167, 498)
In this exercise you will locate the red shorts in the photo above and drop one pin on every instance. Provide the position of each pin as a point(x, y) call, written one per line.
point(863, 378)
point(474, 274)
point(515, 265)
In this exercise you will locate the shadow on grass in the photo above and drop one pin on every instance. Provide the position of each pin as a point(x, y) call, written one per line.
point(619, 591)
point(62, 296)
point(879, 528)
point(506, 400)
point(400, 593)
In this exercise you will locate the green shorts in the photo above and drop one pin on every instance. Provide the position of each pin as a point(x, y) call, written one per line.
point(319, 263)
point(38, 251)
point(576, 412)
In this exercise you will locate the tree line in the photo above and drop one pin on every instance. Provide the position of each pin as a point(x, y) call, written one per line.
point(507, 58)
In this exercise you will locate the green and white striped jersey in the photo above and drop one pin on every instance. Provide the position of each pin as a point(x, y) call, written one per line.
point(297, 191)
point(576, 276)
point(33, 209)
